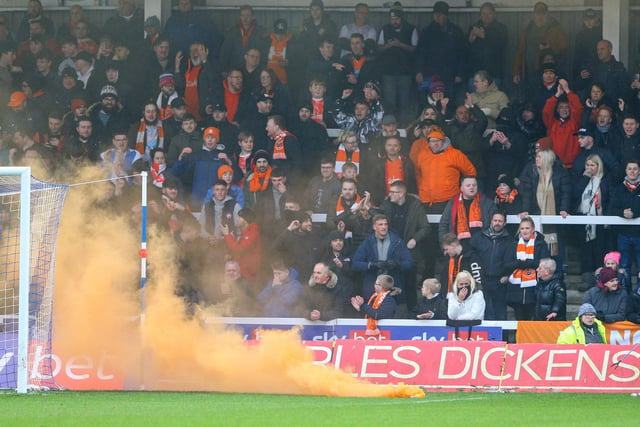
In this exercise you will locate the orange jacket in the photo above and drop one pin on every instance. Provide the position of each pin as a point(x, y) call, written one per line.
point(438, 174)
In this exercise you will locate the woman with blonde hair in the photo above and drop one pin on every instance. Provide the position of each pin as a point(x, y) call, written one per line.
point(466, 301)
point(591, 195)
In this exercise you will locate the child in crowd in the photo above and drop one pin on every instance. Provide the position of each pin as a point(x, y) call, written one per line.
point(349, 171)
point(225, 173)
point(433, 305)
point(612, 260)
point(321, 107)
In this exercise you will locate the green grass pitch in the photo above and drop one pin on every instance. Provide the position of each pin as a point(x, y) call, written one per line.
point(66, 408)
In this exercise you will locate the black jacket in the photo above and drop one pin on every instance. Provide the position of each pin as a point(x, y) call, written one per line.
point(551, 297)
point(561, 188)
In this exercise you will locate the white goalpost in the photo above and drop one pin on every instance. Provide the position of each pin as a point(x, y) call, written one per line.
point(30, 212)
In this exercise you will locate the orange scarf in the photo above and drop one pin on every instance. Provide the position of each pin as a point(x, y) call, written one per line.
point(277, 53)
point(246, 34)
point(357, 65)
point(372, 324)
point(141, 137)
point(342, 158)
point(505, 198)
point(260, 181)
point(191, 91)
point(317, 115)
point(279, 152)
point(454, 269)
point(340, 207)
point(526, 277)
point(460, 224)
point(231, 101)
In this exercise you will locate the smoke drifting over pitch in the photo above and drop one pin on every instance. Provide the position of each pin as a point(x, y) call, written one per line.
point(97, 310)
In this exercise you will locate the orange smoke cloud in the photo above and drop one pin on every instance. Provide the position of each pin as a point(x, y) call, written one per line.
point(98, 302)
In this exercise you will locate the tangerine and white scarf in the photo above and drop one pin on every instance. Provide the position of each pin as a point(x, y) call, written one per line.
point(525, 277)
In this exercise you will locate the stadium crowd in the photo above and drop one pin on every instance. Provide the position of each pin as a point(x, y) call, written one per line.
point(233, 128)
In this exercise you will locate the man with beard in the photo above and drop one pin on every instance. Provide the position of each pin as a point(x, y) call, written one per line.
point(233, 96)
point(256, 122)
point(197, 79)
point(84, 141)
point(108, 115)
point(492, 249)
point(258, 178)
point(315, 142)
point(149, 132)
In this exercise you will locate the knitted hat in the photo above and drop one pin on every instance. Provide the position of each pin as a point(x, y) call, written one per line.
point(69, 72)
point(436, 132)
point(615, 256)
point(16, 99)
point(260, 154)
point(306, 105)
point(280, 26)
point(373, 84)
point(108, 91)
point(223, 169)
point(389, 119)
point(437, 85)
point(607, 274)
point(166, 79)
point(506, 179)
point(441, 7)
point(586, 308)
point(220, 107)
point(396, 11)
point(178, 103)
point(549, 66)
point(77, 103)
point(84, 56)
point(336, 234)
point(545, 142)
point(211, 131)
point(152, 21)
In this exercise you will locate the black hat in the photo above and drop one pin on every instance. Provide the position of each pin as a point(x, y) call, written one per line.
point(389, 119)
point(548, 66)
point(110, 64)
point(220, 107)
point(590, 14)
point(585, 132)
point(506, 179)
point(427, 122)
point(317, 3)
point(336, 234)
point(264, 97)
point(178, 103)
point(280, 26)
point(261, 154)
point(69, 72)
point(305, 104)
point(441, 7)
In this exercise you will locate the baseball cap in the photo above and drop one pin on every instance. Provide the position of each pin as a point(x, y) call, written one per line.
point(16, 99)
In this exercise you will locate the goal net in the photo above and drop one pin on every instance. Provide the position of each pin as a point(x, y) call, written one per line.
point(30, 212)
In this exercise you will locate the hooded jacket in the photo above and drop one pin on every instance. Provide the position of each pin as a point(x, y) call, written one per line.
point(551, 297)
point(574, 334)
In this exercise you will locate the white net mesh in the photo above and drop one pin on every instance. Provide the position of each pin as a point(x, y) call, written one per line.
point(46, 208)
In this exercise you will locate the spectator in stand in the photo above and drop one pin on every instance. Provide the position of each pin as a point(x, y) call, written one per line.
point(625, 203)
point(85, 42)
point(589, 147)
point(198, 79)
point(358, 67)
point(272, 86)
point(37, 42)
point(493, 248)
point(551, 295)
point(119, 160)
point(313, 136)
point(383, 252)
point(149, 132)
point(347, 204)
point(441, 50)
point(433, 304)
point(277, 59)
point(360, 26)
point(380, 305)
point(338, 258)
point(324, 190)
point(108, 114)
point(507, 199)
point(189, 136)
point(382, 172)
point(321, 106)
point(466, 301)
point(608, 298)
point(243, 155)
point(257, 177)
point(389, 129)
point(281, 296)
point(326, 66)
point(22, 114)
point(152, 29)
point(467, 213)
point(187, 26)
point(234, 96)
point(605, 135)
point(283, 146)
point(225, 173)
point(465, 131)
point(53, 138)
point(459, 258)
point(528, 124)
point(325, 297)
point(488, 97)
point(228, 132)
point(245, 34)
point(127, 24)
point(33, 14)
point(596, 98)
point(629, 141)
point(256, 122)
point(585, 329)
point(7, 58)
point(529, 249)
point(612, 260)
point(397, 43)
point(364, 121)
point(164, 99)
point(44, 68)
point(218, 218)
point(159, 63)
point(437, 97)
point(608, 71)
point(86, 73)
point(246, 244)
point(542, 32)
point(200, 166)
point(85, 142)
point(562, 116)
point(584, 47)
point(487, 44)
point(69, 49)
point(251, 69)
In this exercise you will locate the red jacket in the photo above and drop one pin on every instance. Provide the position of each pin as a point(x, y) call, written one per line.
point(247, 251)
point(561, 132)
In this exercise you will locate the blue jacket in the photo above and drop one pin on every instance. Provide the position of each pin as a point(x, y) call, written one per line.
point(282, 300)
point(366, 260)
